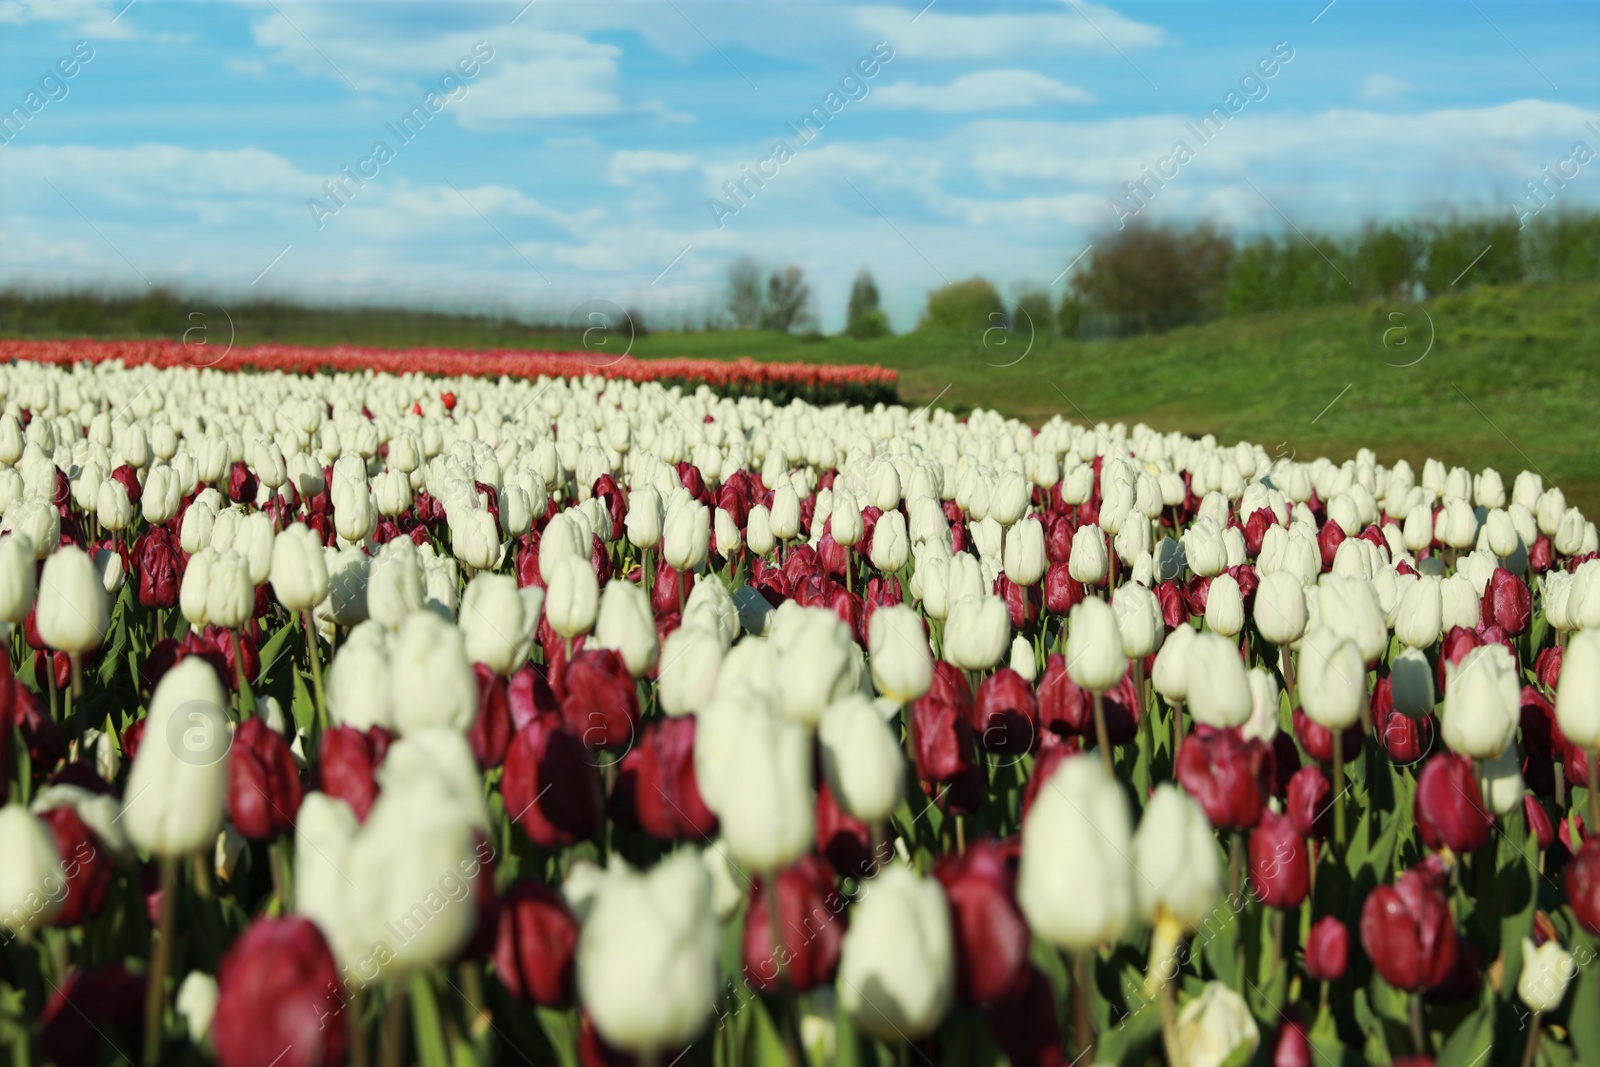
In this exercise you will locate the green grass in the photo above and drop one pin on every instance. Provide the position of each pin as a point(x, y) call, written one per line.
point(1511, 379)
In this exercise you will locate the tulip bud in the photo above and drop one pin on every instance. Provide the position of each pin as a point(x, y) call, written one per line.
point(1583, 885)
point(846, 525)
point(1204, 549)
point(1170, 677)
point(498, 621)
point(196, 1004)
point(1578, 690)
point(299, 573)
point(430, 678)
point(896, 969)
point(978, 632)
point(811, 927)
point(1219, 690)
point(1327, 949)
point(1024, 553)
point(690, 660)
point(901, 661)
point(1482, 702)
point(1175, 855)
point(1411, 681)
point(33, 884)
point(474, 538)
point(263, 782)
point(1229, 777)
point(358, 687)
point(17, 581)
point(177, 787)
point(647, 955)
point(861, 759)
point(1407, 931)
point(1095, 658)
point(1333, 679)
point(73, 611)
point(758, 536)
point(535, 950)
point(1449, 811)
point(1224, 606)
point(217, 590)
point(890, 546)
point(754, 771)
point(1263, 722)
point(1075, 881)
point(991, 938)
point(1087, 563)
point(686, 537)
point(572, 596)
point(1139, 621)
point(276, 979)
point(645, 518)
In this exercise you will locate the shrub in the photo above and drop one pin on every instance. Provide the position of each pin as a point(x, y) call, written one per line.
point(970, 306)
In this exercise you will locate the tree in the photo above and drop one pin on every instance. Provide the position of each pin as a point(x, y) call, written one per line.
point(1069, 316)
point(970, 306)
point(744, 293)
point(1155, 277)
point(864, 319)
point(1033, 313)
point(788, 302)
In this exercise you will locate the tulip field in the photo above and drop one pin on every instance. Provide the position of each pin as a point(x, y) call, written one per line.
point(460, 709)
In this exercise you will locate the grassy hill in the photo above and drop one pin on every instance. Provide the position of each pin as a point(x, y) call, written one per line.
point(1511, 379)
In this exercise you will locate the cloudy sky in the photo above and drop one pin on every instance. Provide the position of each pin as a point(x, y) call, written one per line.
point(557, 153)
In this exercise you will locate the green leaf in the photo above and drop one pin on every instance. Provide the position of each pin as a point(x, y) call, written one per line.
point(562, 1032)
point(425, 1025)
point(1372, 1028)
point(272, 650)
point(304, 709)
point(1583, 1025)
point(1471, 1040)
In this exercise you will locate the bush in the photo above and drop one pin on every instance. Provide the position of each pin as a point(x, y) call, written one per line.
point(970, 306)
point(1565, 247)
point(1155, 277)
point(1033, 312)
point(1386, 261)
point(1452, 246)
point(864, 319)
point(1069, 316)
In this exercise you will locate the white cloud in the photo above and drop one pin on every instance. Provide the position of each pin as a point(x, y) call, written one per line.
point(1383, 88)
point(936, 35)
point(984, 90)
point(628, 166)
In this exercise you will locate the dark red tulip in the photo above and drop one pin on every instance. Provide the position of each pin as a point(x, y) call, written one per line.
point(1407, 932)
point(1061, 590)
point(90, 1009)
point(1174, 607)
point(1310, 802)
point(1327, 949)
point(665, 594)
point(1064, 708)
point(1541, 557)
point(1329, 538)
point(1317, 740)
point(1405, 740)
point(1255, 530)
point(127, 477)
point(243, 486)
point(1538, 821)
point(550, 786)
point(1583, 883)
point(1024, 1024)
point(656, 789)
point(1547, 668)
point(1229, 776)
point(1058, 533)
point(530, 697)
point(1022, 601)
point(811, 925)
point(86, 867)
point(1122, 711)
point(279, 999)
point(57, 664)
point(1285, 763)
point(263, 782)
point(536, 945)
point(1457, 642)
point(1007, 714)
point(991, 937)
point(1506, 603)
point(491, 731)
point(946, 744)
point(156, 562)
point(347, 765)
point(39, 733)
point(842, 839)
point(1449, 806)
point(1280, 869)
point(600, 705)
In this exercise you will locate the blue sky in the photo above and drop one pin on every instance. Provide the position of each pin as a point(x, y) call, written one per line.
point(585, 155)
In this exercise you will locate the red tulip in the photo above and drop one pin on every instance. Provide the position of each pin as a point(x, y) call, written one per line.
point(536, 945)
point(39, 733)
point(946, 745)
point(1061, 590)
point(811, 925)
point(1022, 601)
point(86, 866)
point(530, 697)
point(1449, 806)
point(1317, 740)
point(90, 1009)
point(491, 731)
point(1064, 708)
point(1405, 740)
point(156, 562)
point(599, 704)
point(278, 999)
point(347, 765)
point(1329, 538)
point(550, 786)
point(1229, 776)
point(263, 782)
point(1291, 1046)
point(843, 840)
point(1006, 714)
point(1255, 530)
point(1506, 603)
point(1547, 668)
point(1327, 949)
point(1457, 642)
point(1024, 1024)
point(1310, 802)
point(1174, 608)
point(656, 789)
point(1279, 867)
point(1583, 884)
point(665, 588)
point(243, 486)
point(1407, 931)
point(1541, 557)
point(991, 937)
point(1538, 821)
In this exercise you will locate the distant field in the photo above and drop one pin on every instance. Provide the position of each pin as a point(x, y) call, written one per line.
point(1512, 378)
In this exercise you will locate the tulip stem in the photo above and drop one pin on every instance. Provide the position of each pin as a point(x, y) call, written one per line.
point(356, 1007)
point(779, 952)
point(1338, 789)
point(316, 670)
point(1169, 1025)
point(1561, 784)
point(1235, 854)
point(394, 1029)
point(1082, 1025)
point(1593, 760)
point(77, 675)
point(1419, 1032)
point(50, 680)
point(1286, 665)
point(1532, 1048)
point(155, 997)
point(247, 697)
point(1102, 737)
